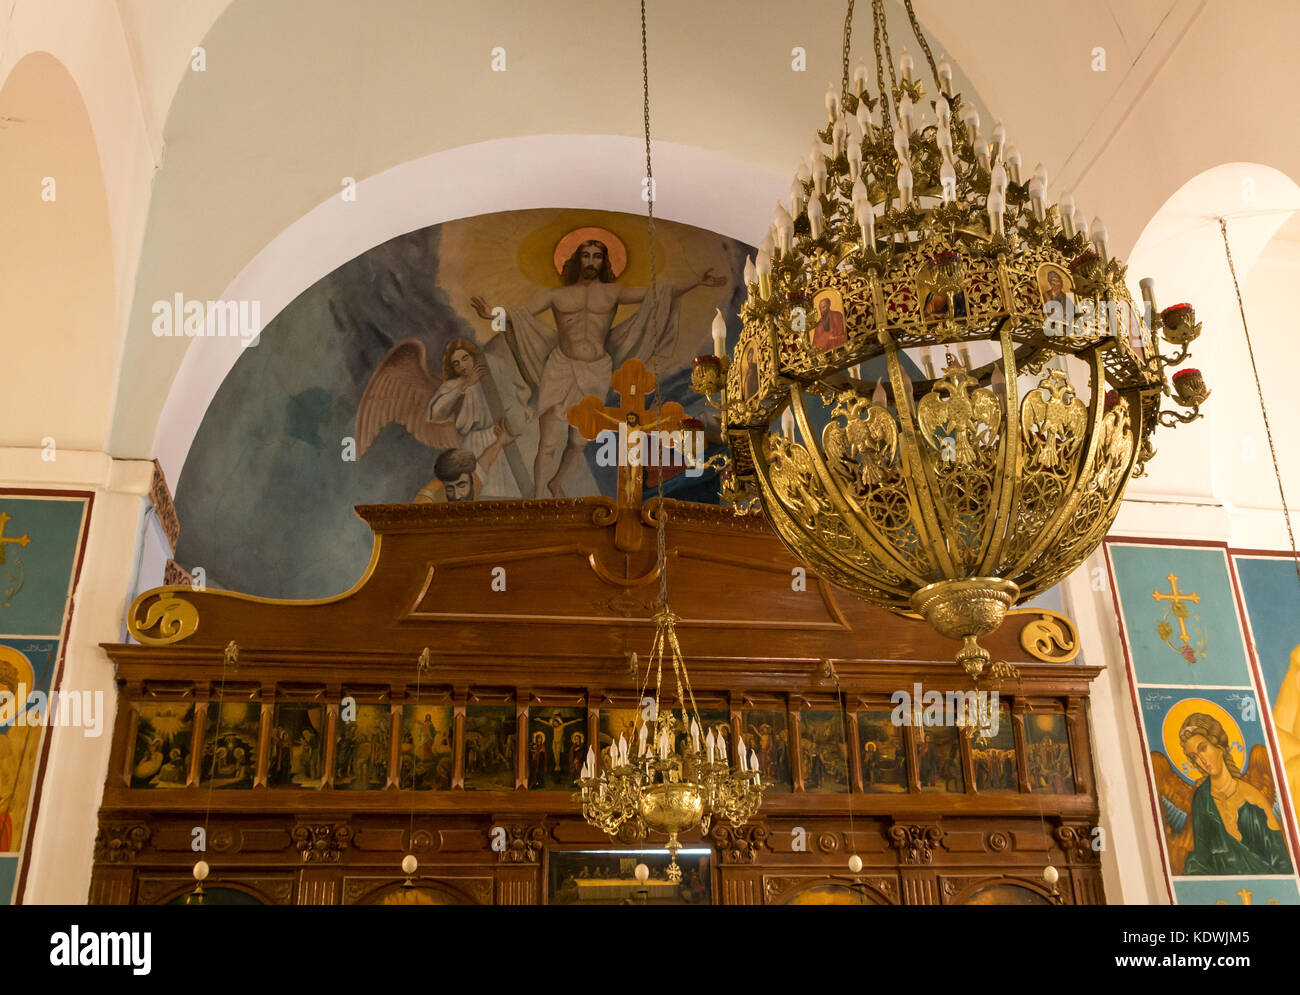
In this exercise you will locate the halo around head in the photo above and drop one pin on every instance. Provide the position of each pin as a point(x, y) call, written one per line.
point(617, 250)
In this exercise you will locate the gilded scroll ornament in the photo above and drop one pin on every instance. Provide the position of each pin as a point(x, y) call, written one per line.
point(159, 618)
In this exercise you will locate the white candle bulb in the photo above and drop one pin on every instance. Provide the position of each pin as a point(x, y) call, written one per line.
point(787, 425)
point(645, 731)
point(591, 759)
point(1040, 171)
point(1080, 221)
point(1066, 210)
point(815, 151)
point(983, 157)
point(838, 134)
point(1148, 286)
point(943, 139)
point(709, 745)
point(719, 333)
point(803, 174)
point(866, 219)
point(815, 217)
point(900, 144)
point(855, 160)
point(998, 179)
point(996, 207)
point(971, 118)
point(832, 102)
point(878, 396)
point(944, 110)
point(751, 274)
point(784, 227)
point(763, 264)
point(904, 185)
point(859, 78)
point(864, 117)
point(905, 113)
point(740, 759)
point(1013, 163)
point(859, 192)
point(944, 72)
point(999, 140)
point(740, 740)
point(948, 182)
point(905, 66)
point(819, 177)
point(753, 760)
point(796, 198)
point(1100, 239)
point(1037, 198)
point(758, 778)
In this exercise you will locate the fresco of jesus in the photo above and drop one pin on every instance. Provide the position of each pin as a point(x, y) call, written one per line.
point(576, 358)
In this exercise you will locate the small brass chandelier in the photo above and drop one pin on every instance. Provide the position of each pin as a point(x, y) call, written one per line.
point(947, 492)
point(675, 776)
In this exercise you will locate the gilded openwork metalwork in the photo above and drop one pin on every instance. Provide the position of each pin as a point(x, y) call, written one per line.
point(942, 386)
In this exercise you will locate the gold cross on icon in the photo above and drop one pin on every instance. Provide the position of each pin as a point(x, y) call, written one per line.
point(1177, 599)
point(21, 540)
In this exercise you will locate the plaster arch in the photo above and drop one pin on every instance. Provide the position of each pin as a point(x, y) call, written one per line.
point(57, 289)
point(1182, 248)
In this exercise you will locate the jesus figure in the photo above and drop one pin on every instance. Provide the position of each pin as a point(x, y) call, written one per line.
point(576, 358)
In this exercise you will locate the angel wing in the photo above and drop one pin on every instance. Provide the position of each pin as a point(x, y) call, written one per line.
point(1259, 773)
point(1175, 810)
point(399, 391)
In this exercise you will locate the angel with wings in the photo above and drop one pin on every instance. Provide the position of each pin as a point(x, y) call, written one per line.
point(1228, 822)
point(462, 410)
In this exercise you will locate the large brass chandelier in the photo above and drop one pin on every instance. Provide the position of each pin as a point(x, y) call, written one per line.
point(677, 774)
point(946, 490)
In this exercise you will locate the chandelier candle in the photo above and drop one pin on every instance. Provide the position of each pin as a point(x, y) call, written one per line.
point(990, 477)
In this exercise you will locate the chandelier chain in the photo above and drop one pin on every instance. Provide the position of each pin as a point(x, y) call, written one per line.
point(848, 35)
point(877, 19)
point(660, 522)
point(1259, 390)
point(925, 47)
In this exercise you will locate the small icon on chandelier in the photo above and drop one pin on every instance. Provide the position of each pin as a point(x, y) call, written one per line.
point(1193, 644)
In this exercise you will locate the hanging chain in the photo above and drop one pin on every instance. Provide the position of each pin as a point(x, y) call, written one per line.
point(848, 34)
point(1263, 409)
point(920, 37)
point(878, 21)
point(661, 524)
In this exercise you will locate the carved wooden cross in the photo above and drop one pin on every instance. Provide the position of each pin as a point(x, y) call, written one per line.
point(21, 540)
point(1177, 599)
point(633, 382)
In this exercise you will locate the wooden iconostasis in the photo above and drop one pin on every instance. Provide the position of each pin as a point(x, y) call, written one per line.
point(306, 760)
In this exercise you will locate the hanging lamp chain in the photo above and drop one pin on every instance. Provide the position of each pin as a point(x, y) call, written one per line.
point(1259, 390)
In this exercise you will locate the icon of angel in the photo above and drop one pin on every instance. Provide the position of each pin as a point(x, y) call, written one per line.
point(1229, 821)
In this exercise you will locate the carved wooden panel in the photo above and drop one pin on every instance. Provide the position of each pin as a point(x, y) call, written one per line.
point(558, 641)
